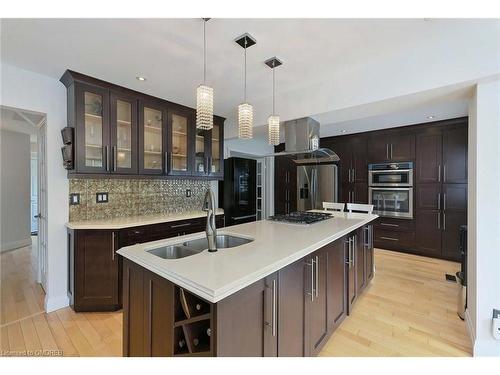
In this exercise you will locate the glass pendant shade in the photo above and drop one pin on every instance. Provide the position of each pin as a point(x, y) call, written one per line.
point(204, 107)
point(245, 121)
point(273, 124)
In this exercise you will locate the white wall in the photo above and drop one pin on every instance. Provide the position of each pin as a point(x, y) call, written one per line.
point(15, 188)
point(255, 146)
point(484, 219)
point(28, 90)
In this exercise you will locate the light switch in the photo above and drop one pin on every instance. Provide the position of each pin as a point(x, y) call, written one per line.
point(188, 193)
point(74, 199)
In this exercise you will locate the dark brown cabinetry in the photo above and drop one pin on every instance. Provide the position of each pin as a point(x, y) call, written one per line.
point(337, 283)
point(353, 166)
point(94, 269)
point(441, 190)
point(291, 312)
point(247, 321)
point(391, 146)
point(93, 273)
point(316, 313)
point(154, 321)
point(124, 132)
point(285, 185)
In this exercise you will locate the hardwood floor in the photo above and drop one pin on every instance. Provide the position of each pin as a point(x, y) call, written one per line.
point(408, 310)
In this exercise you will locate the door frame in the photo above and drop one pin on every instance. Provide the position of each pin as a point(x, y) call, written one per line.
point(42, 203)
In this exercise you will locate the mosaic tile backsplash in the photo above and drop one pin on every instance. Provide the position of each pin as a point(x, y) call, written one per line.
point(132, 197)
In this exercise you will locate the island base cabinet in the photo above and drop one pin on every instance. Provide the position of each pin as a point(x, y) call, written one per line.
point(247, 321)
point(148, 318)
point(337, 283)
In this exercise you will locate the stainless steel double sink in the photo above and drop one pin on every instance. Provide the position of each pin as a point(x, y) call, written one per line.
point(193, 247)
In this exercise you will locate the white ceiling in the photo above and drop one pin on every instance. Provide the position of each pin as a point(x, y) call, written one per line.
point(331, 66)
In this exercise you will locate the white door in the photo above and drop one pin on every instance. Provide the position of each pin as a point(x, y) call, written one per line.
point(42, 206)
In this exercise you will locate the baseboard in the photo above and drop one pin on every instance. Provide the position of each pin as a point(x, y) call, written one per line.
point(56, 303)
point(15, 245)
point(470, 328)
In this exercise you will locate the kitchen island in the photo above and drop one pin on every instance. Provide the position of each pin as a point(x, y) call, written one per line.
point(281, 294)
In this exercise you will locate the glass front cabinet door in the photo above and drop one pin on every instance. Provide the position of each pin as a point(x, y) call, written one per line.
point(92, 117)
point(181, 126)
point(123, 134)
point(152, 126)
point(216, 159)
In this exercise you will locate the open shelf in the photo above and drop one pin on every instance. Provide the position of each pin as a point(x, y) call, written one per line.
point(197, 336)
point(180, 342)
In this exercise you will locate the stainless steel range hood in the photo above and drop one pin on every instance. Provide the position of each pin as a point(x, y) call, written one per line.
point(302, 143)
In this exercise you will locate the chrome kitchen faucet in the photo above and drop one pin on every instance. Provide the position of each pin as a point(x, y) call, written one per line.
point(211, 230)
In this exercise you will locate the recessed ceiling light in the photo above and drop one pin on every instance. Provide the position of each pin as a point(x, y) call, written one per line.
point(430, 117)
point(139, 78)
point(343, 131)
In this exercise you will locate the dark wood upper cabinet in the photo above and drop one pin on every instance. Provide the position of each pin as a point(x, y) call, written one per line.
point(152, 138)
point(120, 132)
point(216, 161)
point(402, 147)
point(391, 145)
point(359, 159)
point(124, 134)
point(92, 136)
point(285, 186)
point(428, 167)
point(455, 155)
point(180, 137)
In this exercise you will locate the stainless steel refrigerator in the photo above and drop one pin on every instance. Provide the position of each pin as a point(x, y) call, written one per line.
point(316, 184)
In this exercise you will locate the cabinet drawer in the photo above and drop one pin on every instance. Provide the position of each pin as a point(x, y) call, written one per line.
point(395, 224)
point(389, 239)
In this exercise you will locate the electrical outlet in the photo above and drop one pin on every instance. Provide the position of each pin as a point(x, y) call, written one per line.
point(188, 193)
point(101, 197)
point(496, 324)
point(74, 199)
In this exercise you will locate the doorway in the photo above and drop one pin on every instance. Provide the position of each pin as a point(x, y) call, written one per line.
point(23, 202)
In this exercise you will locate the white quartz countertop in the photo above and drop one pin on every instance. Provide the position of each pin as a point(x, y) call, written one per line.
point(134, 221)
point(214, 276)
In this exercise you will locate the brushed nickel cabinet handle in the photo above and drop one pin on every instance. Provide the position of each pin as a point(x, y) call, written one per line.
point(317, 276)
point(439, 220)
point(444, 201)
point(439, 173)
point(391, 150)
point(439, 201)
point(444, 173)
point(274, 317)
point(389, 238)
point(180, 225)
point(387, 151)
point(113, 246)
point(311, 264)
point(353, 175)
point(389, 225)
point(444, 220)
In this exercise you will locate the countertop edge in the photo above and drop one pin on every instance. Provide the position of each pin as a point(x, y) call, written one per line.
point(218, 295)
point(140, 222)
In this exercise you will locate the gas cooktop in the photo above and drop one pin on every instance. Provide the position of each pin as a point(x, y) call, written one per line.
point(301, 217)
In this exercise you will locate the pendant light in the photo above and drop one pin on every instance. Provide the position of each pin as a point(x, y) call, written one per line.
point(245, 109)
point(273, 122)
point(204, 93)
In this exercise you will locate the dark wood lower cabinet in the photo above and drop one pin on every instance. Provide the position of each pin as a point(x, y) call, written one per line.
point(337, 284)
point(291, 312)
point(94, 269)
point(452, 220)
point(316, 313)
point(428, 232)
point(247, 321)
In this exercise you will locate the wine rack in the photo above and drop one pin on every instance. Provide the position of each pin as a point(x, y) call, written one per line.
point(193, 326)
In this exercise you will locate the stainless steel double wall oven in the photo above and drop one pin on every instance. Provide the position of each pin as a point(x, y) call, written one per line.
point(391, 189)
